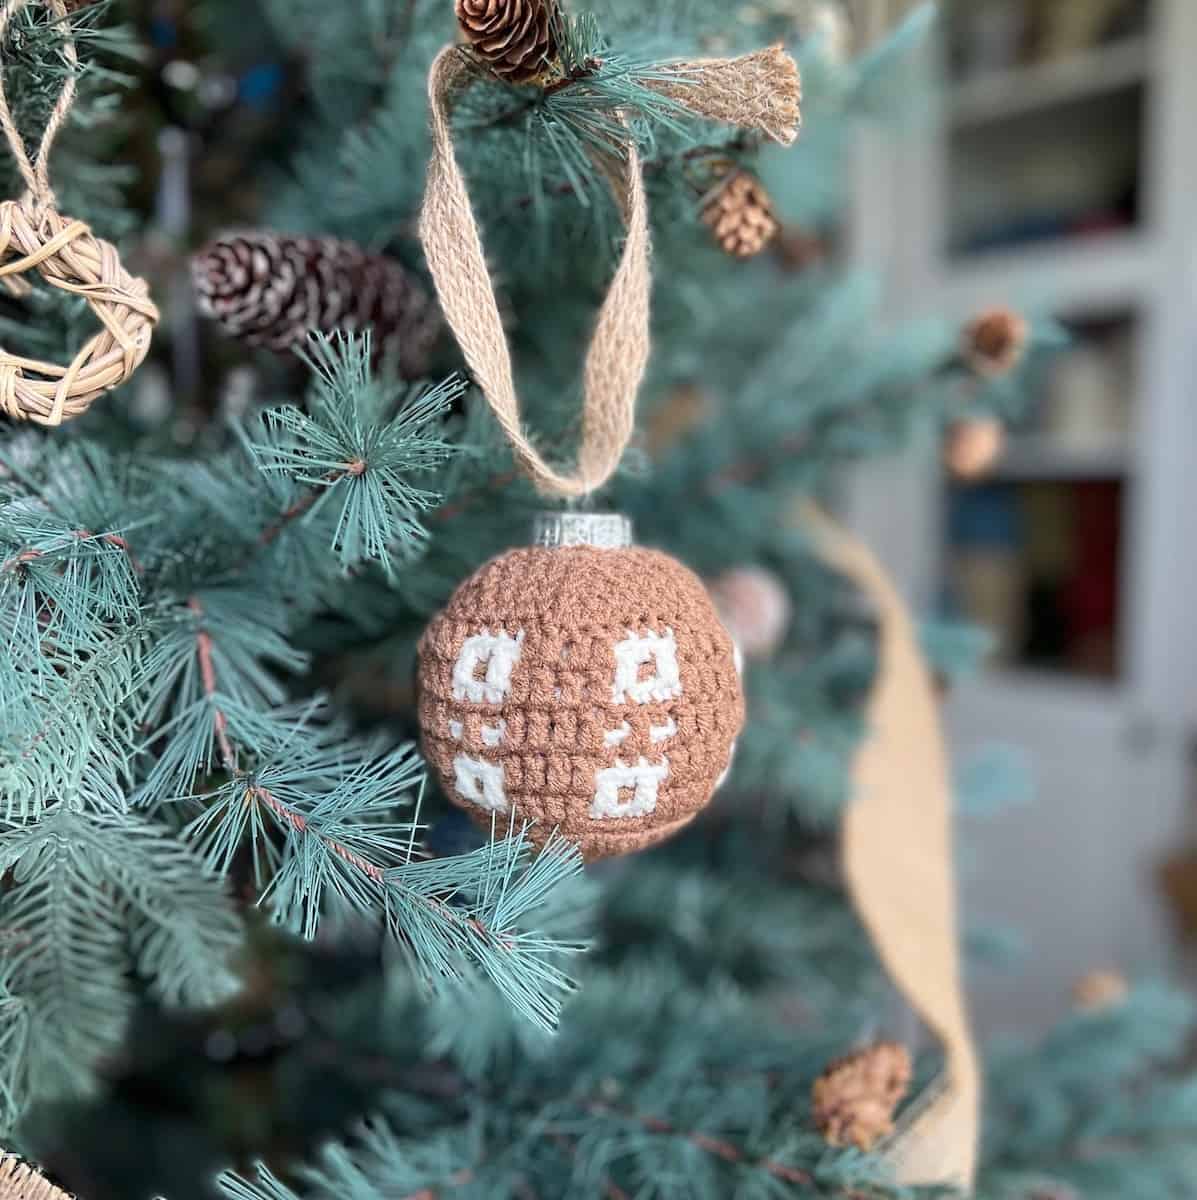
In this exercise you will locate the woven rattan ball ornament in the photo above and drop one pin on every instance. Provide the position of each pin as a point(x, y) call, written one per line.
point(583, 685)
point(69, 257)
point(34, 236)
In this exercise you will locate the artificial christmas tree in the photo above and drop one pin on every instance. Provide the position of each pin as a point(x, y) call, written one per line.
point(183, 770)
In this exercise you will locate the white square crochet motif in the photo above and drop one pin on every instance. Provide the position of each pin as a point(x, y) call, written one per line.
point(480, 783)
point(482, 672)
point(659, 653)
point(642, 780)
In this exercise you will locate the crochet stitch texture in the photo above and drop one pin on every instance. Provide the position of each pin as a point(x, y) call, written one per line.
point(588, 690)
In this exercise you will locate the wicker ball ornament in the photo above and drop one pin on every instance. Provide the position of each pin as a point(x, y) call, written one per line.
point(70, 258)
point(582, 685)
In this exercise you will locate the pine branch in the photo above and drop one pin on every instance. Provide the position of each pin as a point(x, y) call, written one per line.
point(350, 470)
point(14, 1052)
point(220, 724)
point(385, 1165)
point(352, 444)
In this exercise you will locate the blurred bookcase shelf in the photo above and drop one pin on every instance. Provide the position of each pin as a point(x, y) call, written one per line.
point(1060, 179)
point(999, 95)
point(1042, 456)
point(1074, 274)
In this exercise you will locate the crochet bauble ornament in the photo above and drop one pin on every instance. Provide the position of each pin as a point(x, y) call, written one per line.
point(581, 684)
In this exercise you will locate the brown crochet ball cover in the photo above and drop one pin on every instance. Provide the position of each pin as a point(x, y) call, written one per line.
point(588, 690)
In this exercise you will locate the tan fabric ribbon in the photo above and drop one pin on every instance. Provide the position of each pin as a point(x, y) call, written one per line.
point(765, 94)
point(899, 865)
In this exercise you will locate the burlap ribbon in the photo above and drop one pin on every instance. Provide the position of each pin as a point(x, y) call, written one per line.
point(758, 91)
point(899, 865)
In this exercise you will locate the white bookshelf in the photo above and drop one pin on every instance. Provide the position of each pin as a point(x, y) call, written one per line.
point(1039, 456)
point(1000, 95)
point(1113, 754)
point(1076, 276)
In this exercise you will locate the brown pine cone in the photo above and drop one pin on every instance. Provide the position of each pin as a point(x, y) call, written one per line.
point(740, 215)
point(272, 290)
point(1099, 990)
point(994, 342)
point(853, 1101)
point(514, 38)
point(680, 413)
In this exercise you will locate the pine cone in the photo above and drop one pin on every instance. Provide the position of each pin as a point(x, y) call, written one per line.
point(272, 290)
point(740, 215)
point(853, 1101)
point(1100, 989)
point(994, 342)
point(680, 413)
point(797, 250)
point(514, 38)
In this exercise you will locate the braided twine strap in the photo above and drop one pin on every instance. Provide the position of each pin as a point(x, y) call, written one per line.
point(757, 91)
point(33, 236)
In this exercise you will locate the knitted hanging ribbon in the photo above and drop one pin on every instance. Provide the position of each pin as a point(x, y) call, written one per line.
point(898, 862)
point(758, 91)
point(33, 236)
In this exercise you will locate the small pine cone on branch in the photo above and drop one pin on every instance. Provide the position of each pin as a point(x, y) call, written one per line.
point(1100, 990)
point(994, 342)
point(740, 216)
point(273, 290)
point(514, 38)
point(853, 1101)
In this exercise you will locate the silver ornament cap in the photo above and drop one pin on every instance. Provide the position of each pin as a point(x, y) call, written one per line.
point(604, 531)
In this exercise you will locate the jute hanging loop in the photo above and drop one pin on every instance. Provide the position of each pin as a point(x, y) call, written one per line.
point(619, 351)
point(725, 90)
point(65, 253)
